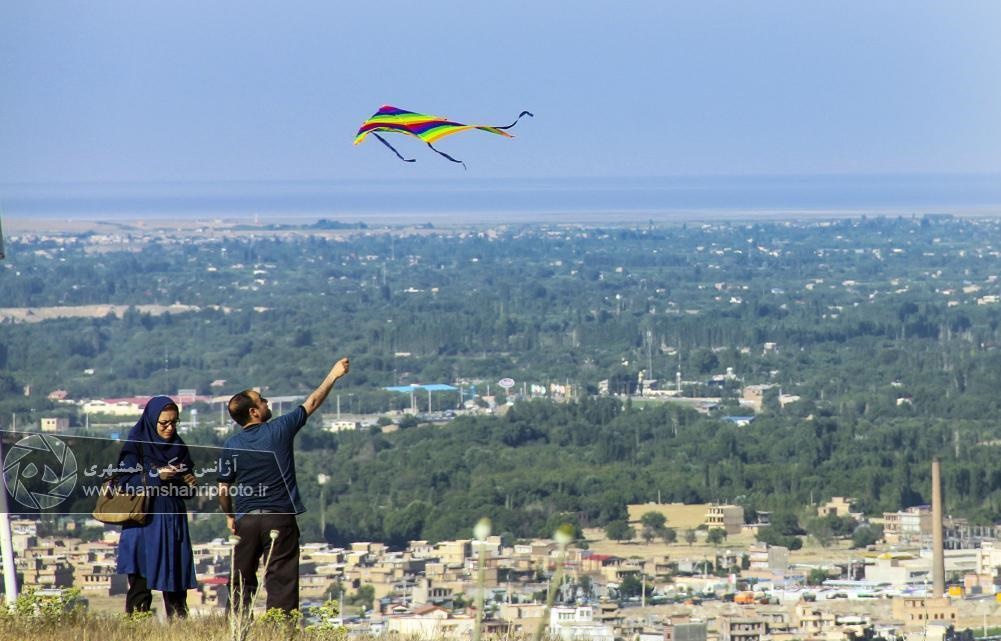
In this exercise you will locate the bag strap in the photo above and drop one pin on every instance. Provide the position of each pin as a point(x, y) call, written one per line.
point(144, 472)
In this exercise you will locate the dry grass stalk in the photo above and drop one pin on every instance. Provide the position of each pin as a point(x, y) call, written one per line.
point(241, 615)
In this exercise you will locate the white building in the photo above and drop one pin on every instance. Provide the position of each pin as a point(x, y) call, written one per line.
point(54, 424)
point(432, 622)
point(343, 426)
point(112, 407)
point(577, 624)
point(898, 571)
point(989, 559)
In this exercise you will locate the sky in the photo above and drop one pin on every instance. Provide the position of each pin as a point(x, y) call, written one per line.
point(155, 91)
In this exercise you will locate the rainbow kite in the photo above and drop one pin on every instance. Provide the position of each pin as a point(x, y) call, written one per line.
point(428, 128)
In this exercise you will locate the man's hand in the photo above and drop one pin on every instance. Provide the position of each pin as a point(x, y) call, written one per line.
point(167, 472)
point(226, 505)
point(315, 400)
point(341, 368)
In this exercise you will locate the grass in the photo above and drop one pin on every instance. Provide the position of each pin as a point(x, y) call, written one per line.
point(38, 616)
point(91, 627)
point(105, 627)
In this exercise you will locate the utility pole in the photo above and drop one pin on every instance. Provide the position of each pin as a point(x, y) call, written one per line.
point(322, 480)
point(649, 355)
point(7, 546)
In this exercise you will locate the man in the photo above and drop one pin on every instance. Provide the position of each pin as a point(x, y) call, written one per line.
point(257, 469)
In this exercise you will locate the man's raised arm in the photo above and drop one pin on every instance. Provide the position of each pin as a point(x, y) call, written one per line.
point(315, 400)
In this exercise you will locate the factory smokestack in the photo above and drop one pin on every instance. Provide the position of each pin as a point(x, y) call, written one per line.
point(938, 549)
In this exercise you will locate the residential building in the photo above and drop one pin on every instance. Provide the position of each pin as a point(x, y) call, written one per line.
point(102, 580)
point(907, 526)
point(812, 621)
point(727, 517)
point(753, 396)
point(342, 426)
point(454, 552)
point(431, 622)
point(768, 559)
point(44, 572)
point(740, 628)
point(53, 424)
point(522, 618)
point(682, 628)
point(918, 612)
point(430, 591)
point(577, 624)
point(421, 550)
point(989, 558)
point(837, 506)
point(114, 407)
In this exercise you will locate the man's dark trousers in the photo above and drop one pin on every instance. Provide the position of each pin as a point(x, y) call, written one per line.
point(281, 578)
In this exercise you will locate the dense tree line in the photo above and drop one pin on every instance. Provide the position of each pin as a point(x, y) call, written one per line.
point(585, 461)
point(873, 323)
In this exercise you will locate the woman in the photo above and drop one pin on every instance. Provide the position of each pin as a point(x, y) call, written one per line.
point(157, 555)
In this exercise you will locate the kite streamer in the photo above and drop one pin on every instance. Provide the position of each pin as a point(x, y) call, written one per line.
point(430, 129)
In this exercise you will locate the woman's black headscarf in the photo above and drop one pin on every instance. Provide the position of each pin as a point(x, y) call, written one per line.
point(156, 452)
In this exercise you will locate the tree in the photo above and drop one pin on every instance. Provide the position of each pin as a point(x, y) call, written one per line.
point(653, 520)
point(716, 536)
point(817, 576)
point(669, 535)
point(648, 534)
point(401, 526)
point(866, 535)
point(771, 536)
point(821, 531)
point(619, 531)
point(630, 586)
point(689, 536)
point(408, 421)
point(786, 523)
point(842, 525)
point(559, 520)
point(365, 596)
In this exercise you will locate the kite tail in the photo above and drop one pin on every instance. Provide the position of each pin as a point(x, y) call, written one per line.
point(383, 141)
point(524, 113)
point(442, 153)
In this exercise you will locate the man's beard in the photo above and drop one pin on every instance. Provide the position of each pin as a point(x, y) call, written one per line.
point(267, 415)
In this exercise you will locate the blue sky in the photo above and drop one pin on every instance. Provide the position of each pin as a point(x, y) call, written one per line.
point(224, 90)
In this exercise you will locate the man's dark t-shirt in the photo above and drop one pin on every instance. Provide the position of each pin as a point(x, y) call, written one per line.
point(259, 464)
